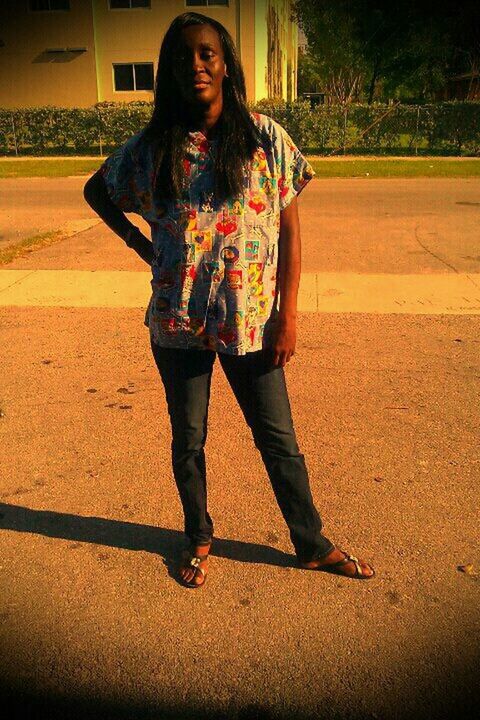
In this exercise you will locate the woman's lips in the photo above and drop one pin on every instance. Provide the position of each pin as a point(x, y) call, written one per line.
point(200, 84)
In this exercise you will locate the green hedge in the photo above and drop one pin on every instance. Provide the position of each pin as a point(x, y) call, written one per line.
point(71, 131)
point(447, 128)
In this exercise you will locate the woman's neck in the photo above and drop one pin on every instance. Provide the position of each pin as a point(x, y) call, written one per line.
point(206, 121)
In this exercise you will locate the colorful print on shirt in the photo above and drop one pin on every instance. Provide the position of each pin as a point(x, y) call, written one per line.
point(214, 273)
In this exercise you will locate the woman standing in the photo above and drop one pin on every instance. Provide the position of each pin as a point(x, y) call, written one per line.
point(218, 186)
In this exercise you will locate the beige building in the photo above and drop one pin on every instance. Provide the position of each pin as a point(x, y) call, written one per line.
point(74, 53)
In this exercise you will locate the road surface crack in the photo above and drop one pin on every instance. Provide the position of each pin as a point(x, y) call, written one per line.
point(437, 257)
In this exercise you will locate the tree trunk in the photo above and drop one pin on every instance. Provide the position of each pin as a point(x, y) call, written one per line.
point(373, 81)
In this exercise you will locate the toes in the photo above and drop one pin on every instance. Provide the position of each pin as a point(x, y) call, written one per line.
point(189, 575)
point(366, 569)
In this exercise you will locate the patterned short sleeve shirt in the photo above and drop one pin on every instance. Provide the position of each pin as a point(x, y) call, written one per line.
point(214, 273)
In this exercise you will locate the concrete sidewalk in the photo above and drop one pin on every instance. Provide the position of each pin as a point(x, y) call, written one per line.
point(418, 294)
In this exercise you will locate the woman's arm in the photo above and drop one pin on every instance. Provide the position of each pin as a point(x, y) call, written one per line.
point(289, 262)
point(96, 195)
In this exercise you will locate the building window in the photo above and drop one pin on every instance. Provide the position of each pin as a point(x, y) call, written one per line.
point(133, 76)
point(128, 4)
point(39, 5)
point(189, 3)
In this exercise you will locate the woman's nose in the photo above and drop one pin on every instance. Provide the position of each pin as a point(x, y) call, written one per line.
point(197, 62)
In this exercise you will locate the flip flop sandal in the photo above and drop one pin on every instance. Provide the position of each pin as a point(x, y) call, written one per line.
point(194, 561)
point(331, 567)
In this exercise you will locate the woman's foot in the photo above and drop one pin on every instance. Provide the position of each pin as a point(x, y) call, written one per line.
point(341, 563)
point(194, 574)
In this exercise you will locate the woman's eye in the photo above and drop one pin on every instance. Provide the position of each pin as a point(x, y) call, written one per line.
point(206, 56)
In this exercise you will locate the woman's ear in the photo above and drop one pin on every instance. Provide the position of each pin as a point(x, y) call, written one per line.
point(226, 73)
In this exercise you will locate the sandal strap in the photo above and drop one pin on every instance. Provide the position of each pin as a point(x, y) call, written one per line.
point(349, 558)
point(195, 563)
point(355, 560)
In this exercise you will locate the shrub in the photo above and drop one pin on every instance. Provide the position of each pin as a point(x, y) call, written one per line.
point(451, 128)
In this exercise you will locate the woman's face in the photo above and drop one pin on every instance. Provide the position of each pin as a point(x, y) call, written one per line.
point(199, 65)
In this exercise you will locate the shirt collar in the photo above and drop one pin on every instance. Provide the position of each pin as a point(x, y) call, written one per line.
point(198, 138)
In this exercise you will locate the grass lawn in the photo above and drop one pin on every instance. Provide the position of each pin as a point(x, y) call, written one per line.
point(324, 167)
point(28, 245)
point(47, 167)
point(384, 168)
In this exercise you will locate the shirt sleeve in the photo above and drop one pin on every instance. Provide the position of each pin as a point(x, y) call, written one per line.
point(294, 170)
point(119, 173)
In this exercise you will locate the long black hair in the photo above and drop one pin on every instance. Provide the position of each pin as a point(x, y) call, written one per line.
point(167, 130)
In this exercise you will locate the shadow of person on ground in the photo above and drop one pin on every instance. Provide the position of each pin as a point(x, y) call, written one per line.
point(131, 536)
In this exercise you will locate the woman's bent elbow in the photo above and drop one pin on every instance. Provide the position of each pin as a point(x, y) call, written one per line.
point(91, 188)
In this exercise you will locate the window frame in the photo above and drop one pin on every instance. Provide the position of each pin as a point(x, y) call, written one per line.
point(50, 10)
point(110, 9)
point(208, 3)
point(147, 62)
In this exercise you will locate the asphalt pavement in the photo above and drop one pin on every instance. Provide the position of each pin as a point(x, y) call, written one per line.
point(386, 409)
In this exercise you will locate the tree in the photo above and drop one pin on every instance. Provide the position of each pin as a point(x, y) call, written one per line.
point(353, 41)
point(406, 49)
point(334, 52)
point(310, 76)
point(463, 30)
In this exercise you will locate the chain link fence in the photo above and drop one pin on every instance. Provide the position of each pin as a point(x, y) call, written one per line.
point(447, 128)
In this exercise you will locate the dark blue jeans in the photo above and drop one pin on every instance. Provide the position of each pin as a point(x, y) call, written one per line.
point(261, 392)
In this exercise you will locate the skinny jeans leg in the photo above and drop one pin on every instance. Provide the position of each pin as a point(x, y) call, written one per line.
point(186, 376)
point(261, 392)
